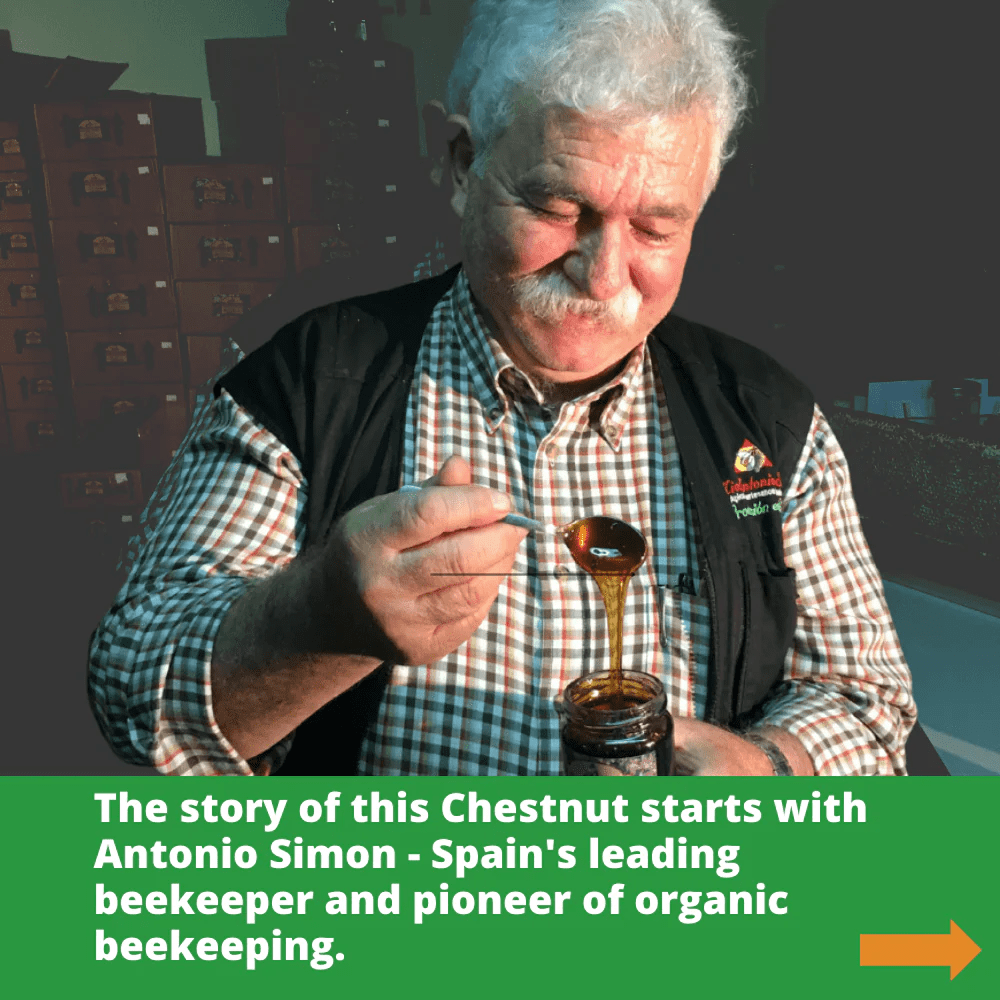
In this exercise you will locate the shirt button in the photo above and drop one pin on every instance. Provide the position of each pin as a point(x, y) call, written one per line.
point(551, 450)
point(496, 413)
point(562, 571)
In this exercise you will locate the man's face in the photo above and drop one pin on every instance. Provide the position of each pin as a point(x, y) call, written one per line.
point(576, 238)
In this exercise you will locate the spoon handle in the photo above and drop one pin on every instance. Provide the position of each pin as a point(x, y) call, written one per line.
point(518, 520)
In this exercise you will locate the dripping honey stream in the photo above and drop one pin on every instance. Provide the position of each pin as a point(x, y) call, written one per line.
point(610, 551)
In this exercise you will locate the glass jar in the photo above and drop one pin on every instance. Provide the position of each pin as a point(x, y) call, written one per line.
point(608, 734)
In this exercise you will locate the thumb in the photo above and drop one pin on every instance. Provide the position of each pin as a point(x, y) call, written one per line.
point(454, 472)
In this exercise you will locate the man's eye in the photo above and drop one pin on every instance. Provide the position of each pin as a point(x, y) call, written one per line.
point(654, 236)
point(567, 215)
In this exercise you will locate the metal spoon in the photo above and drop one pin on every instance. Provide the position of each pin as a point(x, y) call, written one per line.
point(617, 545)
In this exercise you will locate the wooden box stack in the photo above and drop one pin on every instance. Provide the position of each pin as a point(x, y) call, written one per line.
point(229, 245)
point(33, 418)
point(102, 161)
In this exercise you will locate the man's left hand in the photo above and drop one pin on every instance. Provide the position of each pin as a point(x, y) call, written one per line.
point(703, 749)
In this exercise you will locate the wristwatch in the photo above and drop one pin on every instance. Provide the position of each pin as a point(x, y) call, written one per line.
point(778, 760)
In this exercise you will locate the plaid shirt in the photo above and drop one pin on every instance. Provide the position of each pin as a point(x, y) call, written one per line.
point(231, 509)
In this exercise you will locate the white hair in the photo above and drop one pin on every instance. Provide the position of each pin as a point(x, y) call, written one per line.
point(634, 58)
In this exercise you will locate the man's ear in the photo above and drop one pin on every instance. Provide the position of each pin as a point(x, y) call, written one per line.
point(462, 153)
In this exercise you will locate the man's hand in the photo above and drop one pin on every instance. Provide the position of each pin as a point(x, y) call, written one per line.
point(423, 568)
point(379, 590)
point(703, 749)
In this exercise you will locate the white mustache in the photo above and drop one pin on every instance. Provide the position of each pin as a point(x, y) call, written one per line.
point(551, 297)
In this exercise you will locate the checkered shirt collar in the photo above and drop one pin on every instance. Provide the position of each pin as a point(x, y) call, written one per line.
point(497, 381)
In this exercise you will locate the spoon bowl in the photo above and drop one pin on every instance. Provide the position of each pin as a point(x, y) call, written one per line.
point(604, 546)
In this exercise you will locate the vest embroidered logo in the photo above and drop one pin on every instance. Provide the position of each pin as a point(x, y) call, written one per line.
point(752, 496)
point(750, 458)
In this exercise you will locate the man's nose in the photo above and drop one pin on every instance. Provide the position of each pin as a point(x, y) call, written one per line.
point(599, 266)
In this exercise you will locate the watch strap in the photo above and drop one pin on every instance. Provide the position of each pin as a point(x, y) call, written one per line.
point(778, 760)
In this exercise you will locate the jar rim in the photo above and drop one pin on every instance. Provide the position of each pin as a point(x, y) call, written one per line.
point(580, 694)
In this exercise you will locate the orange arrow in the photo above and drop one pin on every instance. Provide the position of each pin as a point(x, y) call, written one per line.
point(955, 949)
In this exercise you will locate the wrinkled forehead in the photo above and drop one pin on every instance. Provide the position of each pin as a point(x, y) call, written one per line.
point(540, 133)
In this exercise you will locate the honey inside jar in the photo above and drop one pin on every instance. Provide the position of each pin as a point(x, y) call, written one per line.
point(610, 734)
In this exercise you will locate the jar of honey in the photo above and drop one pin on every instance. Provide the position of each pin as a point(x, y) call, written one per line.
point(612, 731)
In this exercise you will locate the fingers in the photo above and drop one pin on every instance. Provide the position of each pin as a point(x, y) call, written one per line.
point(470, 600)
point(703, 749)
point(692, 751)
point(487, 551)
point(426, 565)
point(454, 471)
point(423, 629)
point(685, 764)
point(417, 518)
point(449, 596)
point(401, 521)
point(446, 584)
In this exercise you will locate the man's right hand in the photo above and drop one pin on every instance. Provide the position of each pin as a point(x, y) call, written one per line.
point(406, 578)
point(423, 568)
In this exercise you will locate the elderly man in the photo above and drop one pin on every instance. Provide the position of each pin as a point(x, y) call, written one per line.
point(291, 609)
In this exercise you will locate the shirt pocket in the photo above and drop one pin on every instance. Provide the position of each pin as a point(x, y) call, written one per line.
point(685, 643)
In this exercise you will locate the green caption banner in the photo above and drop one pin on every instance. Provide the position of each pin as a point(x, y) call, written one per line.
point(452, 887)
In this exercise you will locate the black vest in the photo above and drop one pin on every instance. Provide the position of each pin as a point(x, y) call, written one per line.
point(333, 387)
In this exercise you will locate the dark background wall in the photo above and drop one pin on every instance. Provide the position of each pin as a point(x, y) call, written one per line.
point(855, 226)
point(881, 153)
